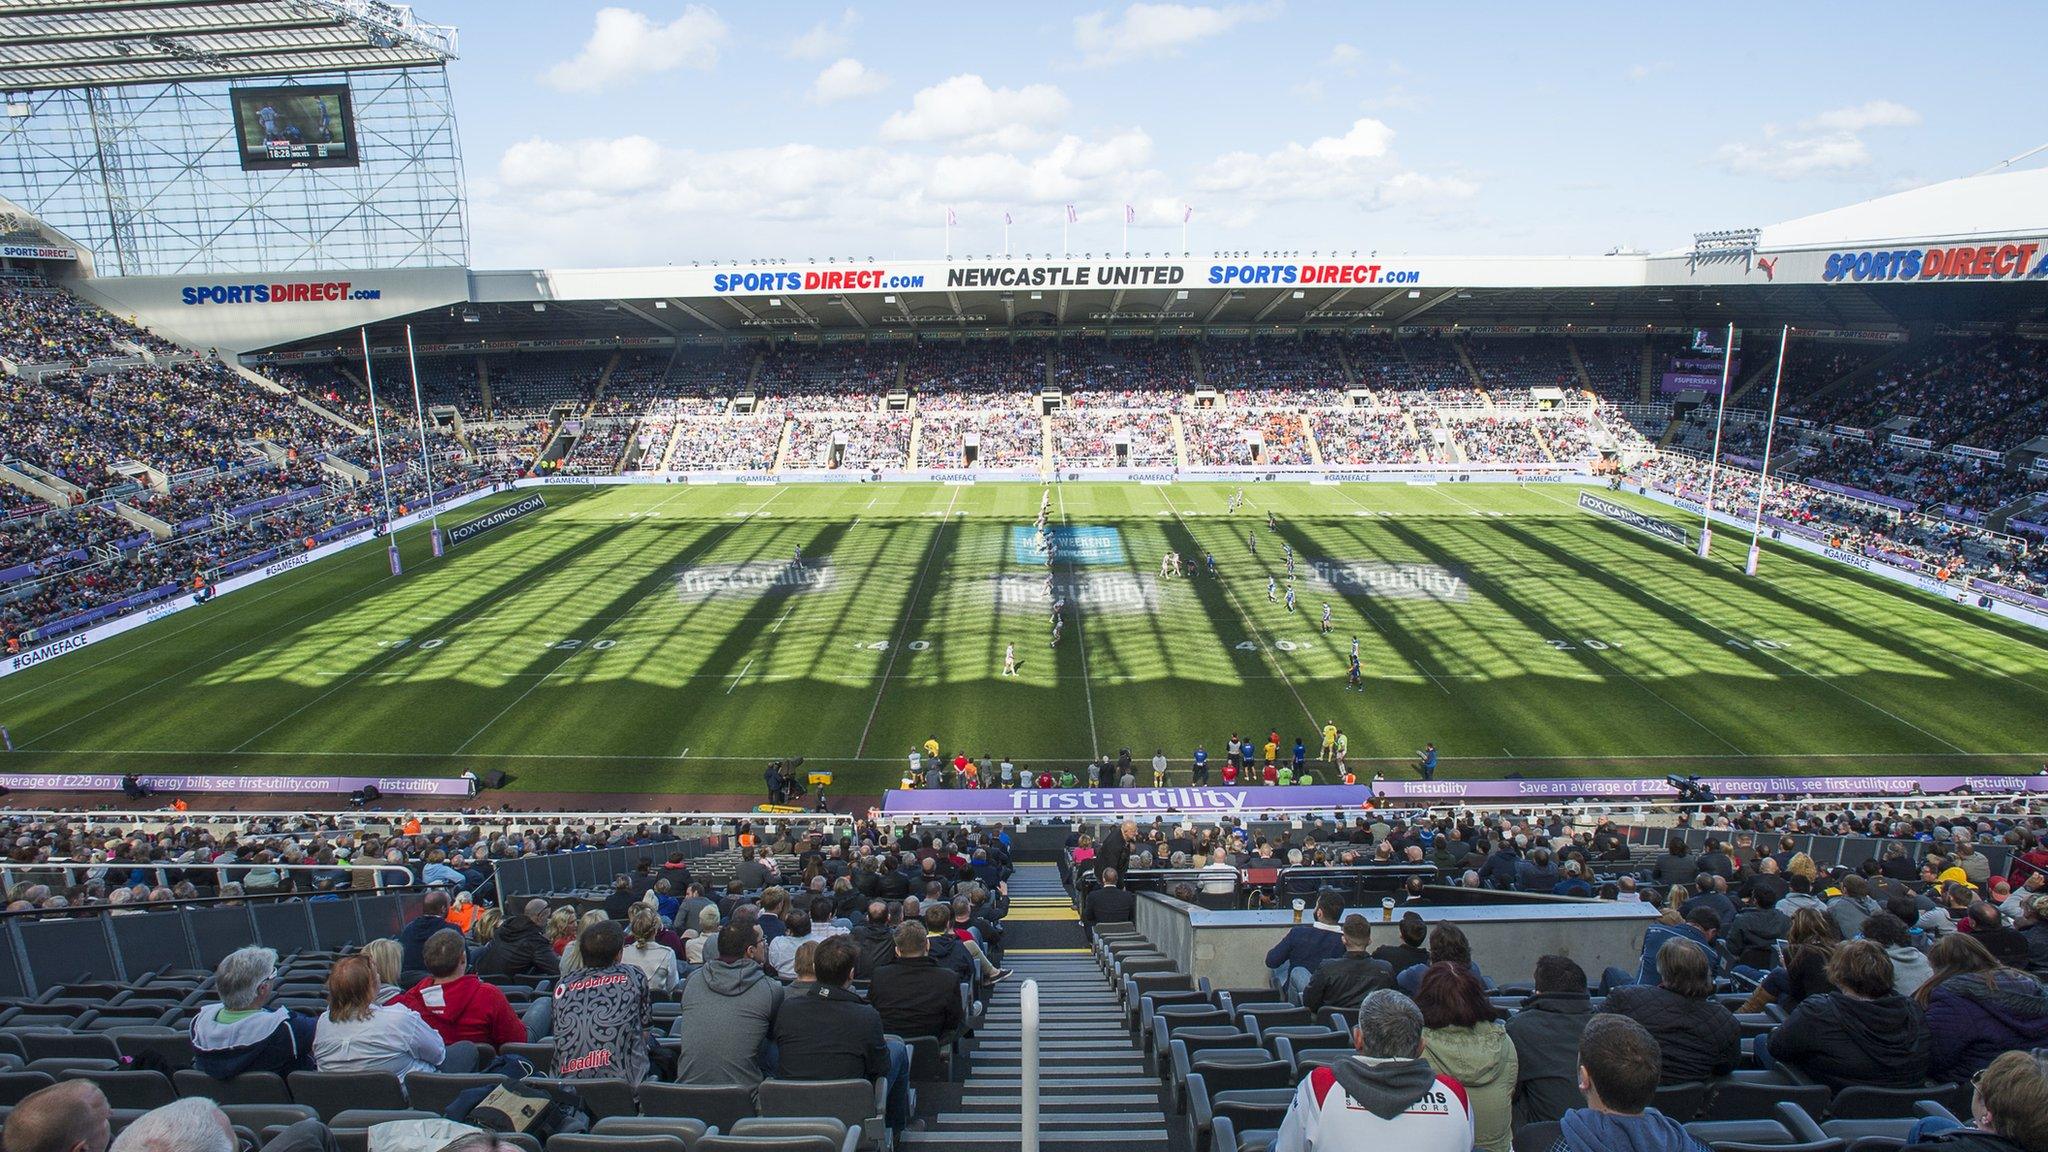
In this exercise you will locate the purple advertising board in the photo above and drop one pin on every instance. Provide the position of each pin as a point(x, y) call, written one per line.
point(246, 785)
point(1080, 803)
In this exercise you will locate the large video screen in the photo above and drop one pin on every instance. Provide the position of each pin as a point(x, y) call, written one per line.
point(302, 126)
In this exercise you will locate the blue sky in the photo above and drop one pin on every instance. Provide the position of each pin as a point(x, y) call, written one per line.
point(660, 132)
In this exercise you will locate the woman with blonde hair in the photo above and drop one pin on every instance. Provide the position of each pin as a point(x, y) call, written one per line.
point(561, 929)
point(572, 956)
point(645, 953)
point(1674, 904)
point(357, 1034)
point(705, 933)
point(386, 955)
point(485, 927)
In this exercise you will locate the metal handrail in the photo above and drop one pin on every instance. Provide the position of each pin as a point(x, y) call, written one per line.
point(72, 871)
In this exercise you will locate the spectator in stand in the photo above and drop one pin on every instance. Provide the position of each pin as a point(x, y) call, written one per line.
point(1864, 1033)
point(2008, 1111)
point(1461, 1039)
point(1345, 982)
point(238, 1034)
point(1305, 946)
point(1447, 945)
point(915, 996)
point(1546, 1037)
point(2005, 943)
point(1754, 936)
point(1384, 1096)
point(601, 1013)
point(1619, 1072)
point(456, 1005)
point(728, 1009)
point(1411, 949)
point(1110, 903)
point(1809, 943)
point(1978, 1008)
point(655, 959)
point(357, 1034)
point(1699, 1037)
point(194, 1124)
point(2035, 929)
point(1701, 926)
point(68, 1116)
point(384, 956)
point(1910, 968)
point(520, 946)
point(1855, 905)
point(832, 1034)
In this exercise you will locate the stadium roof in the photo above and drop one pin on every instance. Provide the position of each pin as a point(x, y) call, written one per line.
point(1987, 206)
point(47, 44)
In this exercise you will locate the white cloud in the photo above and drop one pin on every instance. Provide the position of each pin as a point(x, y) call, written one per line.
point(1873, 114)
point(561, 200)
point(825, 37)
point(1358, 167)
point(1344, 56)
point(1643, 71)
point(1157, 29)
point(846, 79)
point(1830, 144)
point(965, 108)
point(624, 164)
point(625, 45)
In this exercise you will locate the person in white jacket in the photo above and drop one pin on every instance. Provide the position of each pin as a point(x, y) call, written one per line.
point(645, 953)
point(1383, 1097)
point(357, 1034)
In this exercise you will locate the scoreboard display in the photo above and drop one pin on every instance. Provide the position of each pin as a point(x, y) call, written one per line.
point(294, 126)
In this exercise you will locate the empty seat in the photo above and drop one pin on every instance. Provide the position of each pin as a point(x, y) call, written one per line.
point(845, 1138)
point(132, 1089)
point(604, 1096)
point(173, 1046)
point(684, 1129)
point(854, 1102)
point(332, 1093)
point(435, 1091)
point(248, 1088)
point(719, 1106)
point(639, 1142)
point(53, 1045)
point(16, 1085)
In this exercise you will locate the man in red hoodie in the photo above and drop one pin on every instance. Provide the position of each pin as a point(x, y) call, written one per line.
point(456, 1004)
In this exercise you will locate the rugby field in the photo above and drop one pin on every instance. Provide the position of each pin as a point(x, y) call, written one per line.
point(652, 639)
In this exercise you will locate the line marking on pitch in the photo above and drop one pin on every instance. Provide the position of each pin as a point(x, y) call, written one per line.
point(741, 676)
point(903, 626)
point(1081, 635)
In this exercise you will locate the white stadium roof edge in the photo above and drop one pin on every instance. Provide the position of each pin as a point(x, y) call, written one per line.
point(1888, 264)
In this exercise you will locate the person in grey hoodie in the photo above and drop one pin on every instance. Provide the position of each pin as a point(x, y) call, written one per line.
point(728, 1008)
point(1910, 966)
point(1618, 1072)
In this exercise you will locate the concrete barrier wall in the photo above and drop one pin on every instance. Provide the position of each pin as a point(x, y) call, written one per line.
point(1230, 947)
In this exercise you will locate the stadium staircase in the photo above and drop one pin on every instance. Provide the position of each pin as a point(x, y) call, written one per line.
point(916, 438)
point(1648, 383)
point(1571, 348)
point(1047, 459)
point(604, 379)
point(1471, 369)
point(1308, 433)
point(782, 444)
point(1180, 440)
point(1094, 1092)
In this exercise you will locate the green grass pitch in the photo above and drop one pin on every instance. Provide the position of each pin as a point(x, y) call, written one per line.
point(647, 639)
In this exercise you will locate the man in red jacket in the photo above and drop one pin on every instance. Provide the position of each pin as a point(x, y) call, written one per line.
point(457, 1005)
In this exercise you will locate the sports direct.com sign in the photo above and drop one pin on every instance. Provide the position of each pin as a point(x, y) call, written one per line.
point(296, 292)
point(1979, 262)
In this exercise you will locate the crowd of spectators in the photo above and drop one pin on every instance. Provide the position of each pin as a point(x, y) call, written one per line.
point(737, 443)
point(43, 324)
point(872, 440)
point(1950, 390)
point(1522, 362)
point(1275, 371)
point(1224, 436)
point(1361, 436)
point(1005, 439)
point(1091, 438)
point(952, 375)
point(1093, 372)
point(1498, 440)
